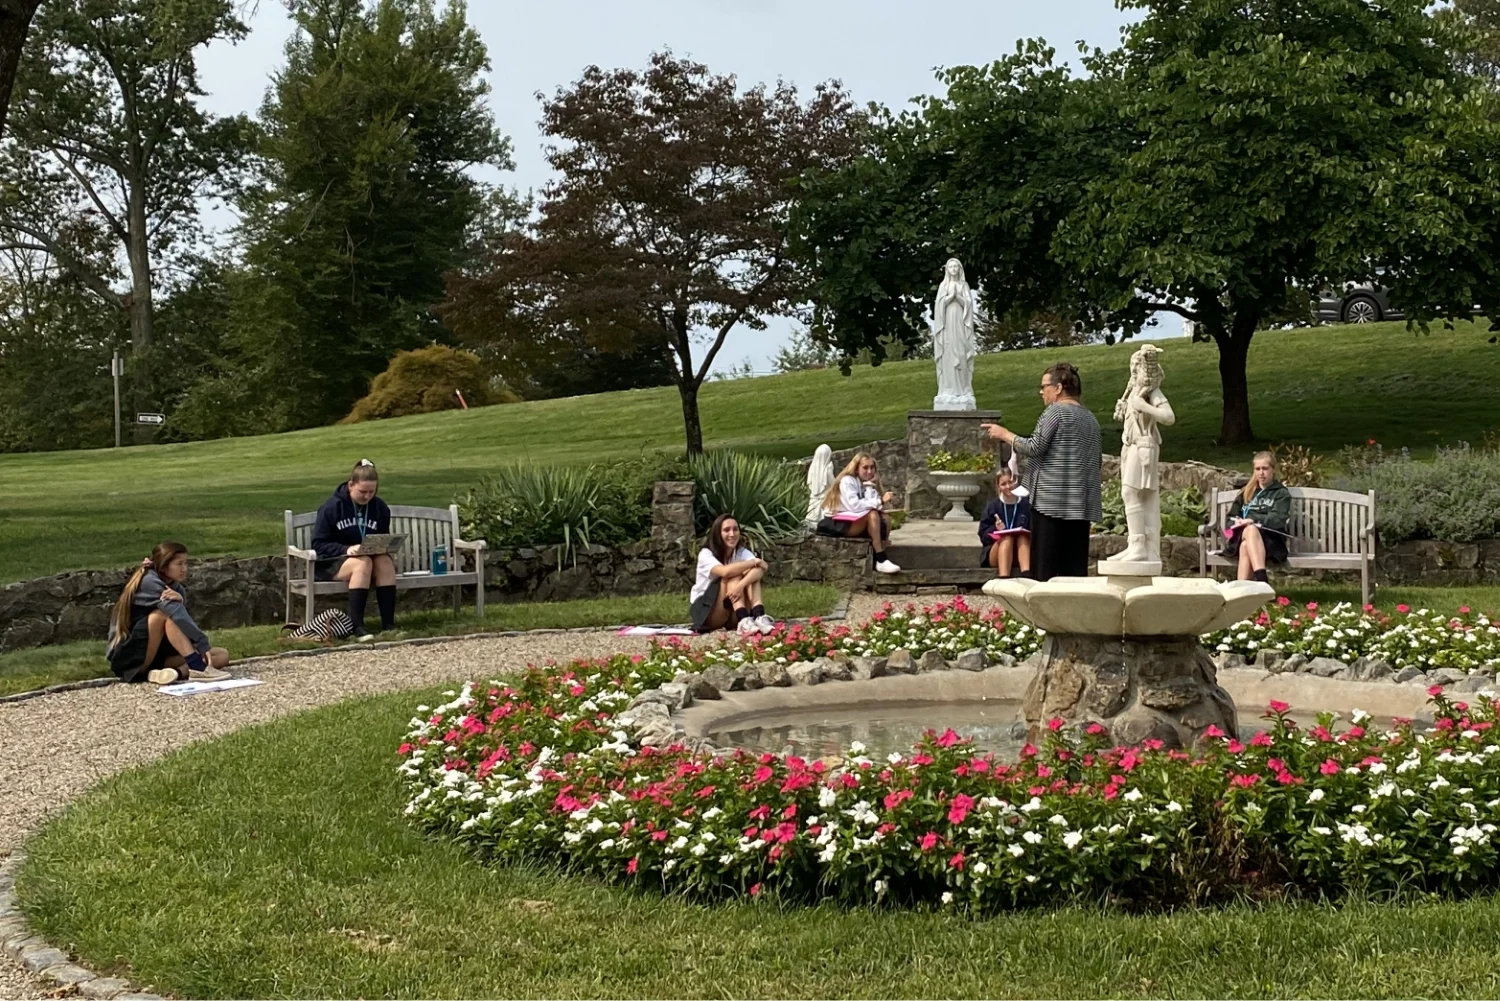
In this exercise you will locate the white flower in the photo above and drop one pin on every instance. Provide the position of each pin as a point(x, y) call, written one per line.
point(981, 867)
point(947, 896)
point(1134, 795)
point(1015, 850)
point(827, 797)
point(1031, 806)
point(1072, 838)
point(1031, 879)
point(856, 747)
point(1315, 795)
point(1058, 820)
point(1325, 831)
point(1149, 839)
point(1174, 807)
point(1031, 837)
point(881, 886)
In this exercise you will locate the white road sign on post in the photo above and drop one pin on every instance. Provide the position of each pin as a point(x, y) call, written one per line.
point(151, 418)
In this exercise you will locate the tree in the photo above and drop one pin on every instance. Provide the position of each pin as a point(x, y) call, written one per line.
point(1478, 45)
point(1223, 158)
point(667, 223)
point(424, 381)
point(364, 199)
point(15, 22)
point(106, 119)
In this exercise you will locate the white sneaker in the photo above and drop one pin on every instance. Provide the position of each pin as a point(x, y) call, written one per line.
point(886, 566)
point(748, 627)
point(162, 676)
point(208, 674)
point(765, 624)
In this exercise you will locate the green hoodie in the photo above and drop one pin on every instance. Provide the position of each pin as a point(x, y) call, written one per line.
point(1269, 506)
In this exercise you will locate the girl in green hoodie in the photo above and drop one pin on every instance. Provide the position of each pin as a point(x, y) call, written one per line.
point(1259, 534)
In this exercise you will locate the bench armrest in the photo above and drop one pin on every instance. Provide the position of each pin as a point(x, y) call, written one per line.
point(1206, 531)
point(302, 554)
point(476, 545)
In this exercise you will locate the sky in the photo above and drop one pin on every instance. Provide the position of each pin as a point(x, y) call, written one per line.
point(882, 50)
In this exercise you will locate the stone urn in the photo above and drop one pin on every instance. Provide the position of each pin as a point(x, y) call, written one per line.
point(1124, 652)
point(956, 488)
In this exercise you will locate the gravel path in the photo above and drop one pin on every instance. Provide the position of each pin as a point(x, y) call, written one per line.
point(57, 746)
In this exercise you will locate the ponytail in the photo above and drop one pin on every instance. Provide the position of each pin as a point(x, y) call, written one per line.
point(163, 554)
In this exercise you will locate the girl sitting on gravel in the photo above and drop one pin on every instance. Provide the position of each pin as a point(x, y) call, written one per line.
point(151, 635)
point(727, 588)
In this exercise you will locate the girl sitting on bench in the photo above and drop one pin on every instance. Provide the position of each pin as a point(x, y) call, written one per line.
point(1258, 536)
point(343, 522)
point(151, 635)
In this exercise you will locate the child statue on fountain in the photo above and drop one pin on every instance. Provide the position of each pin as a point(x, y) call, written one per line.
point(1143, 409)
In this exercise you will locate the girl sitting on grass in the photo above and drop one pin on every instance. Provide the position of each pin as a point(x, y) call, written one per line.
point(727, 588)
point(1005, 528)
point(151, 635)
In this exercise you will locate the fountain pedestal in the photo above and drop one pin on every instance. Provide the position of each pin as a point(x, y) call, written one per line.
point(1123, 651)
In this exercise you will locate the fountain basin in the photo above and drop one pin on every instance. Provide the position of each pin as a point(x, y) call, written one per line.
point(1130, 606)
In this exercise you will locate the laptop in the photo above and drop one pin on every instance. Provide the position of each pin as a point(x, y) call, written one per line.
point(380, 545)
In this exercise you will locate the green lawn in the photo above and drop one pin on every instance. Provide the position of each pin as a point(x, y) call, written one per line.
point(28, 670)
point(1323, 387)
point(234, 869)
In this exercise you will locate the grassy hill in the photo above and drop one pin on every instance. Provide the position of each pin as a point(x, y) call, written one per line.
point(1323, 387)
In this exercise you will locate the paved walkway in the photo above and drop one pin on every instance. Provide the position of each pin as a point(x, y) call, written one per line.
point(57, 746)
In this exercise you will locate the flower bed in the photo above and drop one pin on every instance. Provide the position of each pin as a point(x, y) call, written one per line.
point(1419, 638)
point(541, 770)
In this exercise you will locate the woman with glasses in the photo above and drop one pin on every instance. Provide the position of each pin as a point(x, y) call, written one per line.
point(1063, 458)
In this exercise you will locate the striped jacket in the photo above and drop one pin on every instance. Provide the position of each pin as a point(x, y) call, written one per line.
point(1063, 456)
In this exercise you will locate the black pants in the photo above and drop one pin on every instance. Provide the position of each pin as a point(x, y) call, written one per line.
point(1059, 547)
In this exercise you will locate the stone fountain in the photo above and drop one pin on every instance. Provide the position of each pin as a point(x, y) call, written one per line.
point(1122, 648)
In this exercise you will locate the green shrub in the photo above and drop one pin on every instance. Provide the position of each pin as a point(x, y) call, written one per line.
point(1182, 511)
point(765, 496)
point(1455, 497)
point(423, 381)
point(944, 461)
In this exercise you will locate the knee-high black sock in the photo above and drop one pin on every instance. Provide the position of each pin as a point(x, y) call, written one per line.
point(385, 598)
point(1260, 575)
point(358, 598)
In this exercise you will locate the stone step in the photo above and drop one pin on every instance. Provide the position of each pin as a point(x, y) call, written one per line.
point(962, 578)
point(910, 557)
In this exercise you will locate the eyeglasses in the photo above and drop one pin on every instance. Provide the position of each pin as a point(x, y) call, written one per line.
point(1046, 386)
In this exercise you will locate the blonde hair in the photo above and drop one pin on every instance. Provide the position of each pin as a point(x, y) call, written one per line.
point(164, 553)
point(1249, 490)
point(831, 495)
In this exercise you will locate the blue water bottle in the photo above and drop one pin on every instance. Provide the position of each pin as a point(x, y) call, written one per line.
point(439, 560)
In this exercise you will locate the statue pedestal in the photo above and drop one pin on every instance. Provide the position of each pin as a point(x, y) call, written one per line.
point(1130, 568)
point(929, 431)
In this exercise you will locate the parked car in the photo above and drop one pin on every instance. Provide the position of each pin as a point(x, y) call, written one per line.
point(1363, 303)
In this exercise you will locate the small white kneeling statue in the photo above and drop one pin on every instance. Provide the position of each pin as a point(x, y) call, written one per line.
point(953, 345)
point(1143, 409)
point(819, 479)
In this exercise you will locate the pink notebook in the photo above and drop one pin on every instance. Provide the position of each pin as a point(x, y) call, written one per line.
point(1010, 531)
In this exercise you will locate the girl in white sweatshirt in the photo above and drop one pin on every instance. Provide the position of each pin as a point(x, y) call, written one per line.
point(855, 507)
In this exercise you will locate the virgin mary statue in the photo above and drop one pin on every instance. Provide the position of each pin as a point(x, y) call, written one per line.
point(953, 340)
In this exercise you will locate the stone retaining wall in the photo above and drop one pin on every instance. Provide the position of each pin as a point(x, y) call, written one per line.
point(245, 592)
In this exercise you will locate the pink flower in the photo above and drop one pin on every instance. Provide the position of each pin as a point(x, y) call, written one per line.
point(1435, 691)
point(960, 808)
point(1369, 607)
point(790, 811)
point(1463, 610)
point(760, 775)
point(1055, 724)
point(1403, 609)
point(1283, 601)
point(755, 890)
point(1279, 707)
point(1094, 729)
point(1329, 767)
point(948, 739)
point(1213, 731)
point(1261, 739)
point(1244, 781)
point(957, 861)
point(928, 841)
point(632, 865)
point(1312, 606)
point(1234, 747)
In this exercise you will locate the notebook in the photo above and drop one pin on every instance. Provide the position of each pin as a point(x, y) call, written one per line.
point(380, 545)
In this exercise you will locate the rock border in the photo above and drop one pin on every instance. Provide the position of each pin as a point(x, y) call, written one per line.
point(36, 956)
point(838, 614)
point(1363, 669)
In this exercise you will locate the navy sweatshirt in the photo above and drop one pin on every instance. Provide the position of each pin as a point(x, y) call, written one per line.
point(337, 527)
point(993, 519)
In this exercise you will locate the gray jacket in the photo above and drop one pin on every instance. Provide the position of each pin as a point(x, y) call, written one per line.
point(148, 596)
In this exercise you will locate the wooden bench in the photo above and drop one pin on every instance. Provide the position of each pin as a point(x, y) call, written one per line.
point(424, 528)
point(1328, 530)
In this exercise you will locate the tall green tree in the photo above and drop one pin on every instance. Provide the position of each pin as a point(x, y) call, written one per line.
point(667, 224)
point(106, 117)
point(365, 199)
point(1225, 159)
